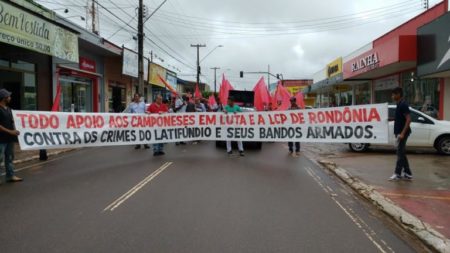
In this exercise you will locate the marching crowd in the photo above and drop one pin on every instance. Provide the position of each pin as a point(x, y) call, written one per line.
point(185, 103)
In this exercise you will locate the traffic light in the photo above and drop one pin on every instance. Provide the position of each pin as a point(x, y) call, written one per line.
point(241, 74)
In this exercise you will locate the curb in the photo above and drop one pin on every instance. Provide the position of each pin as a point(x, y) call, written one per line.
point(408, 221)
point(36, 157)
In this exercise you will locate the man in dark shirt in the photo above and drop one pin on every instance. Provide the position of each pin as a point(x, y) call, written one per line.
point(402, 131)
point(8, 134)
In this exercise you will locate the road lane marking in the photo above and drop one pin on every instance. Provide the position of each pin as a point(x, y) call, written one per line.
point(358, 221)
point(116, 203)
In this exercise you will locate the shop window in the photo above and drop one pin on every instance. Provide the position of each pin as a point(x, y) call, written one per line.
point(76, 94)
point(21, 65)
point(20, 79)
point(29, 101)
point(383, 89)
point(362, 94)
point(422, 94)
point(4, 63)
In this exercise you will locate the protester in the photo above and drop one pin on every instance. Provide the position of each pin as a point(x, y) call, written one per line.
point(402, 131)
point(180, 107)
point(158, 107)
point(190, 106)
point(219, 106)
point(8, 135)
point(233, 108)
point(294, 106)
point(199, 106)
point(138, 106)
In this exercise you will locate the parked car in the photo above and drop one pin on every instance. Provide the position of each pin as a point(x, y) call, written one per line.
point(426, 132)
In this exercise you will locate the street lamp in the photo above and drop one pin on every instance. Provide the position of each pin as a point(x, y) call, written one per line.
point(210, 52)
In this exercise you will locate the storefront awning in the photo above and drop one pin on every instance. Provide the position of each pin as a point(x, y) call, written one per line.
point(79, 70)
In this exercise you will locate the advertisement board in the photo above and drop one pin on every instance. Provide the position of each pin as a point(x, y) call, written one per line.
point(22, 29)
point(156, 70)
point(130, 64)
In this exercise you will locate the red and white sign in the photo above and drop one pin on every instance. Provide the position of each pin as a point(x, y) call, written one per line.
point(47, 130)
point(87, 64)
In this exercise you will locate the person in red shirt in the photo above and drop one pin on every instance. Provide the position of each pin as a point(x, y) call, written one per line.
point(158, 107)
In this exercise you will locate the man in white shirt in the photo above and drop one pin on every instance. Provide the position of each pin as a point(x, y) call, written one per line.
point(138, 106)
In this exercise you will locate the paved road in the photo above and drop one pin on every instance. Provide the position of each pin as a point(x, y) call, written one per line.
point(195, 199)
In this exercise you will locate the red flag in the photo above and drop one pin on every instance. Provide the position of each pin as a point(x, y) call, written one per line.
point(282, 95)
point(168, 86)
point(55, 107)
point(262, 95)
point(300, 100)
point(212, 101)
point(225, 88)
point(197, 93)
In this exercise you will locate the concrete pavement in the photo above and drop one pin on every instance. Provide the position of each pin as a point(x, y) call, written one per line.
point(427, 197)
point(195, 199)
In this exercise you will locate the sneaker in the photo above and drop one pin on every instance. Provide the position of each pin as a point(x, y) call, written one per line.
point(161, 153)
point(230, 153)
point(241, 153)
point(297, 153)
point(290, 152)
point(407, 177)
point(183, 143)
point(146, 146)
point(395, 177)
point(137, 147)
point(14, 179)
point(156, 153)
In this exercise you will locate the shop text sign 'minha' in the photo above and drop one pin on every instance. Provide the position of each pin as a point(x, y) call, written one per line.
point(23, 29)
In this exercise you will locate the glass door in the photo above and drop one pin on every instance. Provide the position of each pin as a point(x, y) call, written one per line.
point(76, 94)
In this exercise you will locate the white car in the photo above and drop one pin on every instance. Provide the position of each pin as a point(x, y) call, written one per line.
point(426, 132)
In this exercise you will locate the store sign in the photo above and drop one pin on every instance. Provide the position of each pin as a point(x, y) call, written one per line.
point(367, 62)
point(156, 70)
point(22, 29)
point(130, 64)
point(172, 79)
point(334, 68)
point(87, 64)
point(434, 46)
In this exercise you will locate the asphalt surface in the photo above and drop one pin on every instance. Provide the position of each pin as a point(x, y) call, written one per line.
point(194, 199)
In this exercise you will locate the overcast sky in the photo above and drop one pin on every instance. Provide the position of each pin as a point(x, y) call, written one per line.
point(296, 37)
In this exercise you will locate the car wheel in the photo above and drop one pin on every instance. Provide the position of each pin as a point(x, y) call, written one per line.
point(358, 147)
point(443, 146)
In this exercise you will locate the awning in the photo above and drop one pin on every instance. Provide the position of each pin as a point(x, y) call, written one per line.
point(79, 70)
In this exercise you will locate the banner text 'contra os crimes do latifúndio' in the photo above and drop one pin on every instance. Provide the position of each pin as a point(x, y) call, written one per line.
point(46, 130)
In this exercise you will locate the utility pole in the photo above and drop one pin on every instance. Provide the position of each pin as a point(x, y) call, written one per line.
point(198, 46)
point(215, 78)
point(141, 47)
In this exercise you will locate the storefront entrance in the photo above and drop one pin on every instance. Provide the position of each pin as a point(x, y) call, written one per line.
point(76, 94)
point(20, 79)
point(117, 98)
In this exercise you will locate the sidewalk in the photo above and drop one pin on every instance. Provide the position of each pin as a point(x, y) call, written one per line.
point(427, 197)
point(21, 156)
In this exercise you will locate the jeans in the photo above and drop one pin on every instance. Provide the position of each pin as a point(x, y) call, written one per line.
point(291, 146)
point(402, 160)
point(7, 156)
point(240, 146)
point(158, 147)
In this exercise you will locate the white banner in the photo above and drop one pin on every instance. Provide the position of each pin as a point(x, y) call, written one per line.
point(46, 130)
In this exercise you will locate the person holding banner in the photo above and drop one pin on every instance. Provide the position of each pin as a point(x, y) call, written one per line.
point(233, 108)
point(8, 135)
point(138, 106)
point(158, 107)
point(294, 106)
